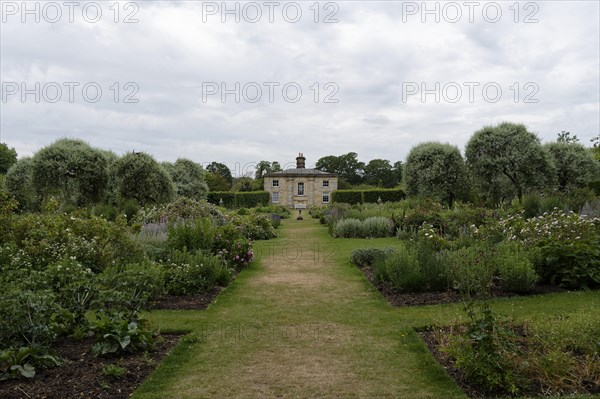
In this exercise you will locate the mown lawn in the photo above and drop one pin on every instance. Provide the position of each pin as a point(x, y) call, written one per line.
point(303, 322)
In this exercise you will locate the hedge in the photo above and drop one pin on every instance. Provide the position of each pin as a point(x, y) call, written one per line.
point(360, 196)
point(246, 199)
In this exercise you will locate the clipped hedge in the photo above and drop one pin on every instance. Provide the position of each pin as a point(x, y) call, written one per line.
point(231, 199)
point(361, 196)
point(347, 196)
point(389, 195)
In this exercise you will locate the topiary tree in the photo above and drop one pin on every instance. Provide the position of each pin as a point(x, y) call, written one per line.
point(188, 177)
point(141, 178)
point(71, 170)
point(575, 165)
point(19, 184)
point(435, 170)
point(509, 151)
point(8, 157)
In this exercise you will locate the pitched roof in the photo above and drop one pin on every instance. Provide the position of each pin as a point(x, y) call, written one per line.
point(300, 172)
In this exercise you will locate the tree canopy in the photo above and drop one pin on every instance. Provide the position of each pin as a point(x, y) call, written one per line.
point(435, 170)
point(141, 178)
point(188, 178)
point(71, 170)
point(8, 157)
point(509, 151)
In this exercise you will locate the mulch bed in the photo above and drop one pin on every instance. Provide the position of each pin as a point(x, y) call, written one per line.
point(186, 302)
point(396, 298)
point(81, 374)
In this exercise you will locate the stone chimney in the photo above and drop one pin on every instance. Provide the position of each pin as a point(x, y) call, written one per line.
point(300, 161)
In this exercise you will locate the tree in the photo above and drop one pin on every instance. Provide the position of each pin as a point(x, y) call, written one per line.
point(8, 157)
point(346, 166)
point(565, 137)
point(71, 170)
point(264, 167)
point(398, 171)
point(509, 150)
point(188, 178)
point(435, 170)
point(596, 147)
point(19, 184)
point(219, 177)
point(141, 178)
point(575, 165)
point(379, 172)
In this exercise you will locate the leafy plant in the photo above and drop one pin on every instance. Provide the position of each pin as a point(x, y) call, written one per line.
point(116, 333)
point(114, 371)
point(515, 269)
point(23, 361)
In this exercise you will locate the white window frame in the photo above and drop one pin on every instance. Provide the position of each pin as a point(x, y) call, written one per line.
point(325, 183)
point(275, 197)
point(328, 197)
point(275, 183)
point(303, 188)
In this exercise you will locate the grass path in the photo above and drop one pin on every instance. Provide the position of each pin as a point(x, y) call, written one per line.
point(302, 323)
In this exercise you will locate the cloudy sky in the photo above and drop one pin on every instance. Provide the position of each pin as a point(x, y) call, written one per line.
point(246, 81)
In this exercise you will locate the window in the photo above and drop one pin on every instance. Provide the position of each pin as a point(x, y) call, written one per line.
point(326, 198)
point(325, 183)
point(300, 188)
point(275, 198)
point(275, 183)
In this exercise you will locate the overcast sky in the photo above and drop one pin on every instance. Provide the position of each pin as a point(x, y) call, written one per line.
point(362, 69)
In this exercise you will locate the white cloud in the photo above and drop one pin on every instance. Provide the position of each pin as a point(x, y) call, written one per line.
point(369, 54)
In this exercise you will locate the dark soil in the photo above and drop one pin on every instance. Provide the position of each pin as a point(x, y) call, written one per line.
point(187, 302)
point(396, 298)
point(81, 374)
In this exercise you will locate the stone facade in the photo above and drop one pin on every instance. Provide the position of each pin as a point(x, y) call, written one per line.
point(300, 188)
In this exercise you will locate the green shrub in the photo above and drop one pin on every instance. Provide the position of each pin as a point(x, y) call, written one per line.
point(401, 268)
point(28, 318)
point(194, 273)
point(377, 226)
point(515, 270)
point(572, 264)
point(532, 205)
point(348, 228)
point(471, 269)
point(481, 352)
point(432, 267)
point(116, 333)
point(369, 256)
point(131, 286)
point(106, 211)
point(192, 235)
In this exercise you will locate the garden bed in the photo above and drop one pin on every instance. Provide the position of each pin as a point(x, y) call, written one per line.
point(396, 298)
point(81, 374)
point(186, 302)
point(474, 391)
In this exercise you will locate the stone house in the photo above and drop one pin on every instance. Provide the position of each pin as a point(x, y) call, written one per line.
point(299, 187)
